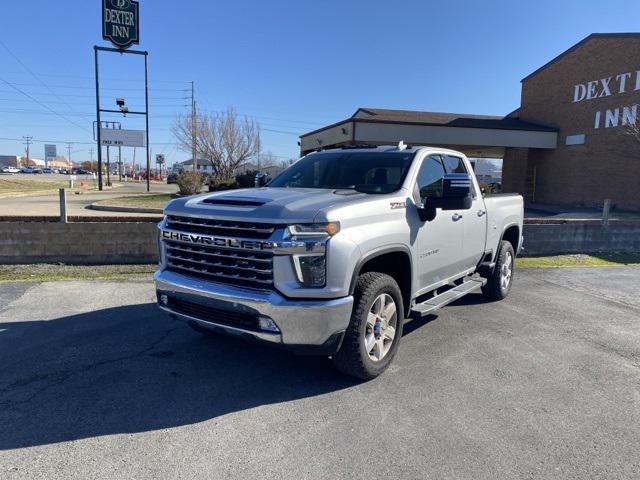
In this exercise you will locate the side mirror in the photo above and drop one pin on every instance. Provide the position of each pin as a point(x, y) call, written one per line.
point(261, 179)
point(457, 194)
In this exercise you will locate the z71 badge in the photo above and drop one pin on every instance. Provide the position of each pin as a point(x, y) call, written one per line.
point(395, 205)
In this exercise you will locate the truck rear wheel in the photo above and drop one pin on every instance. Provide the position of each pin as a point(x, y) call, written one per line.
point(373, 336)
point(499, 282)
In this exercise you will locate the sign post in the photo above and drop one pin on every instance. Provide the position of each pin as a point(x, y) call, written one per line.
point(50, 154)
point(121, 27)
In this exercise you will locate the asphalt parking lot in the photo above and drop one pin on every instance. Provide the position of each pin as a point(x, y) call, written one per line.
point(97, 383)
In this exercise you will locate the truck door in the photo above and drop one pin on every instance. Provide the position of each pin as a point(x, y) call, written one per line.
point(439, 241)
point(474, 220)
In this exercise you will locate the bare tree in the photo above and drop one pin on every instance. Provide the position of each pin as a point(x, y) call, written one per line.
point(266, 159)
point(632, 132)
point(221, 138)
point(633, 129)
point(287, 163)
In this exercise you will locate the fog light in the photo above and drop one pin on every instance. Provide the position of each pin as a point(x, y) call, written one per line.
point(164, 299)
point(268, 325)
point(311, 270)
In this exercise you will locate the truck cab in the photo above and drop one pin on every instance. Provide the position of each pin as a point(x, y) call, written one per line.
point(338, 250)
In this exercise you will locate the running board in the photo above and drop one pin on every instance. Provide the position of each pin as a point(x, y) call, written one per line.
point(439, 301)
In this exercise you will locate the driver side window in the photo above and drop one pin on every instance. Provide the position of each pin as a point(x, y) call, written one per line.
point(431, 177)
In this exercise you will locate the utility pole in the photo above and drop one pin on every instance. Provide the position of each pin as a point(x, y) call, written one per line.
point(27, 142)
point(193, 127)
point(69, 157)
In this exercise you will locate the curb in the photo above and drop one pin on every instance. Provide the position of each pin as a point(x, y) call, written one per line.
point(107, 208)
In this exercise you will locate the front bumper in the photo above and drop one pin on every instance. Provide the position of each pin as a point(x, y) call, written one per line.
point(307, 326)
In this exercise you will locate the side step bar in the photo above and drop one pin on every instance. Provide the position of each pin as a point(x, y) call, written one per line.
point(439, 301)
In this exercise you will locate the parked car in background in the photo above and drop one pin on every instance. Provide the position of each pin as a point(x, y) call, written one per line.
point(10, 170)
point(63, 171)
point(172, 178)
point(37, 171)
point(47, 170)
point(26, 170)
point(81, 171)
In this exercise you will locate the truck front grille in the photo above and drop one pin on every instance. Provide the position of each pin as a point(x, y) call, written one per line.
point(223, 228)
point(251, 269)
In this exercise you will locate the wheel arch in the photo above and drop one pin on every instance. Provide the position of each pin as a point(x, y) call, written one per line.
point(394, 261)
point(512, 235)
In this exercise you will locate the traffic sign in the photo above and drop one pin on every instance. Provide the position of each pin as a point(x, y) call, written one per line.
point(121, 22)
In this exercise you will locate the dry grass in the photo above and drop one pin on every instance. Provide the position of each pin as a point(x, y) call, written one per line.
point(580, 260)
point(54, 272)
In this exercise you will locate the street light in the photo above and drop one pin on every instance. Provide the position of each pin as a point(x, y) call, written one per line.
point(120, 102)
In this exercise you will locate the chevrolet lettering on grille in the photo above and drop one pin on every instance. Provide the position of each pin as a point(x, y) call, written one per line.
point(217, 241)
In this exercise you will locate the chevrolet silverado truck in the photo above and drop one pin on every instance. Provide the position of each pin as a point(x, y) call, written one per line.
point(336, 252)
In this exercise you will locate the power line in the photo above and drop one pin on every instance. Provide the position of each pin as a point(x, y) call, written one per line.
point(43, 105)
point(17, 59)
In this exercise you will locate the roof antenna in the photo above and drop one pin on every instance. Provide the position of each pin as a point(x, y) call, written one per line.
point(401, 145)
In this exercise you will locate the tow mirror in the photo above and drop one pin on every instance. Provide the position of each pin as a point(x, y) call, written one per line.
point(456, 194)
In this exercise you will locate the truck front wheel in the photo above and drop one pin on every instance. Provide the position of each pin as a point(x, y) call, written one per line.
point(373, 336)
point(499, 282)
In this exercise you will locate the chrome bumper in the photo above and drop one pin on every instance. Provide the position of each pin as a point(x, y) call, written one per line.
point(301, 323)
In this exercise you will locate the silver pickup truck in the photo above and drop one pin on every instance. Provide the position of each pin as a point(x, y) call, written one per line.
point(337, 251)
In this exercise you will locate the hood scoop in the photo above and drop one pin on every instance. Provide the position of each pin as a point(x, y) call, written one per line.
point(234, 202)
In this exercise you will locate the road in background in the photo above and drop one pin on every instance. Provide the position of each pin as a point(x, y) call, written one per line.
point(48, 204)
point(98, 383)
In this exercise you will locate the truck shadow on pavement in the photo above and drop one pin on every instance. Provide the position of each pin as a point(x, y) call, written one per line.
point(132, 369)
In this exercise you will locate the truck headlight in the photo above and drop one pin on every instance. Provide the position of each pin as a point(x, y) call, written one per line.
point(313, 229)
point(311, 270)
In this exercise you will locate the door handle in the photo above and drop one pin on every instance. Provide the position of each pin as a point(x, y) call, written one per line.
point(481, 213)
point(456, 217)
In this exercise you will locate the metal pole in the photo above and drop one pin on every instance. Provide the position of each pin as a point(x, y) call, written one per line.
point(193, 127)
point(95, 48)
point(146, 116)
point(63, 205)
point(108, 168)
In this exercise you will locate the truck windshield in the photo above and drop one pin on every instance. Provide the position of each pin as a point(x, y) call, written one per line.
point(368, 172)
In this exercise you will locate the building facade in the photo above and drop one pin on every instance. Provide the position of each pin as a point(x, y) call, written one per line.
point(573, 141)
point(590, 94)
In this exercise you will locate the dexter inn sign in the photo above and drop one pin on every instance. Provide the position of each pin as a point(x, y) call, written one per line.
point(120, 22)
point(607, 87)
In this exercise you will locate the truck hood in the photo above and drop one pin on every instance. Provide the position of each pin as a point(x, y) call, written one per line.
point(275, 205)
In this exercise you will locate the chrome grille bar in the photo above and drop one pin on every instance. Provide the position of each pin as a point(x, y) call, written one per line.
point(199, 225)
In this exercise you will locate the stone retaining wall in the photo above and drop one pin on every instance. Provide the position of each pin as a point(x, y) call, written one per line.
point(110, 242)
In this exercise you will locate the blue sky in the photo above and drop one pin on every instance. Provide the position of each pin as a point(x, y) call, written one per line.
point(291, 65)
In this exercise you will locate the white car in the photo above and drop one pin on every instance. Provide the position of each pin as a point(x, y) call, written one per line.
point(10, 170)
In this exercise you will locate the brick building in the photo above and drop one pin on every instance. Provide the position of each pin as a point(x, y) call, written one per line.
point(568, 143)
point(590, 93)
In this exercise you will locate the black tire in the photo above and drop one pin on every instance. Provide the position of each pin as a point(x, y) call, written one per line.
point(496, 288)
point(353, 358)
point(200, 329)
